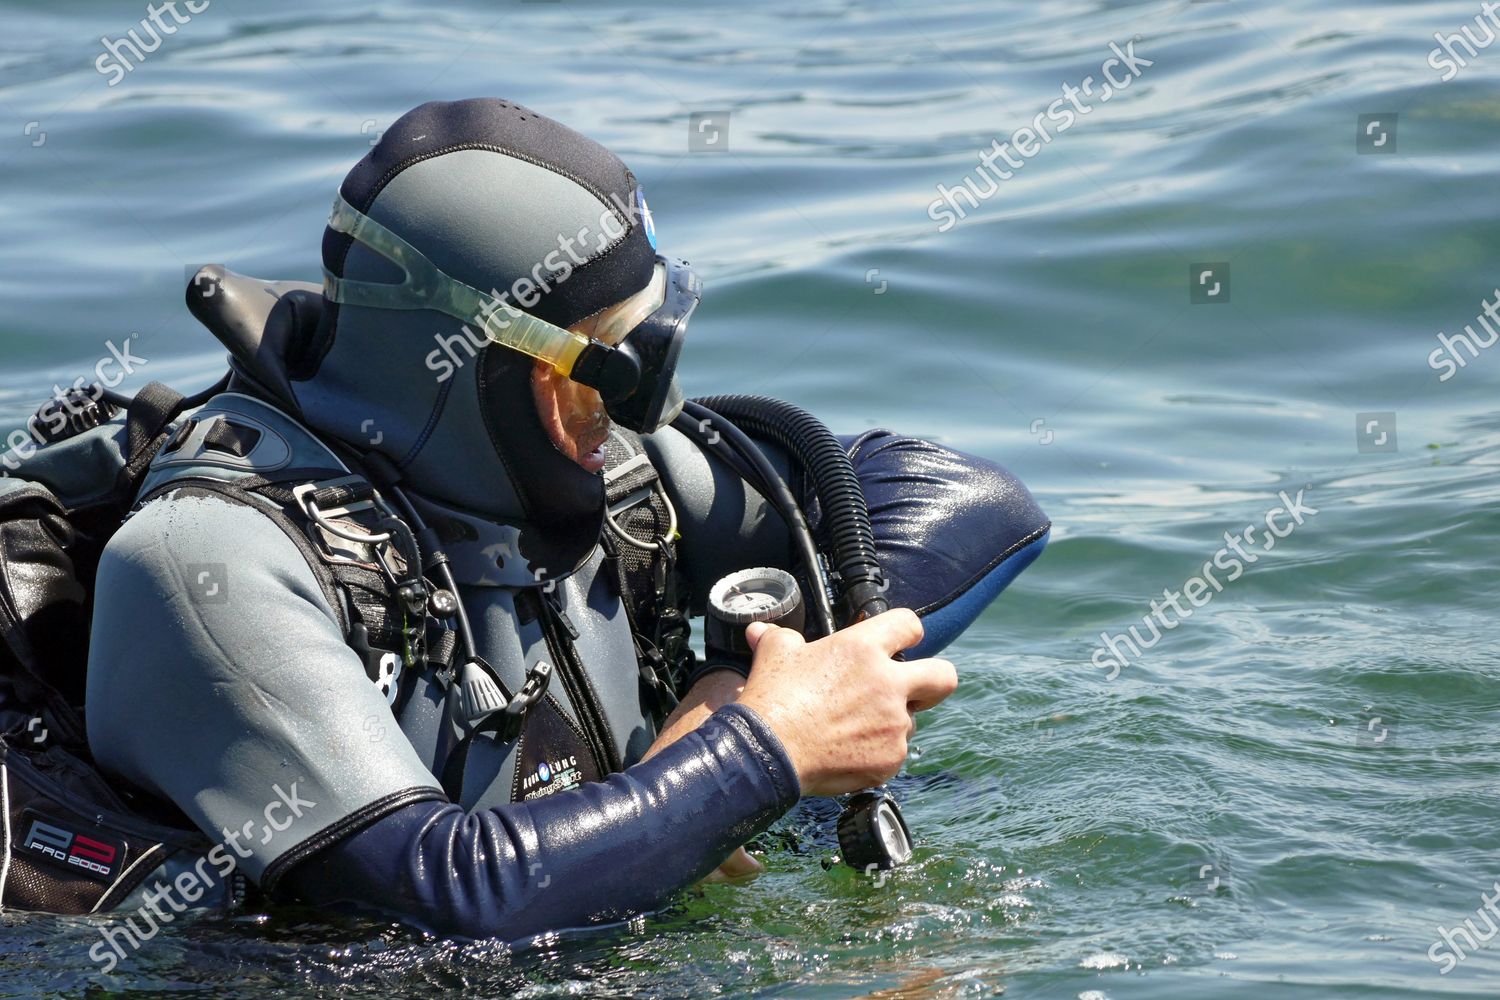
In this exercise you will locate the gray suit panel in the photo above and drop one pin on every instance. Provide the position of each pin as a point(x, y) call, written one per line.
point(219, 679)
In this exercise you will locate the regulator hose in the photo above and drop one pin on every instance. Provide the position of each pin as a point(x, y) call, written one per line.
point(743, 455)
point(846, 517)
point(872, 833)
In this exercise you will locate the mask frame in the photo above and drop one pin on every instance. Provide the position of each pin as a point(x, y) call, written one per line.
point(636, 378)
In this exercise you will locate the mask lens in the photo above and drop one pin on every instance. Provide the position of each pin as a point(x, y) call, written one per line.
point(655, 343)
point(613, 325)
point(674, 403)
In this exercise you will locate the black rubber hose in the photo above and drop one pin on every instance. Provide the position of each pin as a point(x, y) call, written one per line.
point(189, 402)
point(442, 567)
point(846, 517)
point(751, 464)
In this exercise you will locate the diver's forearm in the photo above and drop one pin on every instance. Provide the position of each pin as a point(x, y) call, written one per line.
point(711, 692)
point(597, 853)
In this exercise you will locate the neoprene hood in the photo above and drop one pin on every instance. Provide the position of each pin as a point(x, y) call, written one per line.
point(511, 203)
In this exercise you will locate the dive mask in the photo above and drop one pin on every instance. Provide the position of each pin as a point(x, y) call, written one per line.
point(634, 367)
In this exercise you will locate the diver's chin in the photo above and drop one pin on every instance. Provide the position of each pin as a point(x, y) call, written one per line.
point(592, 461)
point(588, 449)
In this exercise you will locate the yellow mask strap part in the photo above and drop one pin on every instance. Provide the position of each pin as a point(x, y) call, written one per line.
point(428, 287)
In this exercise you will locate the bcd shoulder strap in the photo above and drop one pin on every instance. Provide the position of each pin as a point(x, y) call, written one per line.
point(640, 541)
point(147, 418)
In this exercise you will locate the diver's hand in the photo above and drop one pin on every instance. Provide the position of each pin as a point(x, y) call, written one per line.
point(842, 706)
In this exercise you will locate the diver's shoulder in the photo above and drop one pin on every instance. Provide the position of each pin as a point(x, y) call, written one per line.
point(168, 537)
point(235, 437)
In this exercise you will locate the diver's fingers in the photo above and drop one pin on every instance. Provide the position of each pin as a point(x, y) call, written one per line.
point(892, 631)
point(741, 863)
point(931, 681)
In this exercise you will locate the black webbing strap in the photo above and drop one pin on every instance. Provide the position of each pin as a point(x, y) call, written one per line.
point(441, 645)
point(647, 577)
point(154, 407)
point(148, 415)
point(343, 493)
point(629, 478)
point(230, 438)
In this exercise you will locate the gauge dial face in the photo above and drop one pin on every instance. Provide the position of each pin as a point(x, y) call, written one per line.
point(745, 602)
point(761, 594)
point(892, 836)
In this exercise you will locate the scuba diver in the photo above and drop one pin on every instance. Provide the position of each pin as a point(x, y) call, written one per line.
point(399, 615)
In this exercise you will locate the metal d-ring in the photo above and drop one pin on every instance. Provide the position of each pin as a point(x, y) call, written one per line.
point(311, 507)
point(621, 534)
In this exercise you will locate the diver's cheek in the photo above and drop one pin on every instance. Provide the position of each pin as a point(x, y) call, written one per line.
point(588, 427)
point(544, 391)
point(587, 420)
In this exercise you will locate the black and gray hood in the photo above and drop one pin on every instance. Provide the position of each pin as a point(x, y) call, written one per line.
point(507, 201)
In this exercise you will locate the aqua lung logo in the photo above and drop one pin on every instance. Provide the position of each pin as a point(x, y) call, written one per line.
point(553, 776)
point(73, 851)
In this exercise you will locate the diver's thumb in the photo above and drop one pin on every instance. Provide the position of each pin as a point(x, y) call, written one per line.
point(759, 634)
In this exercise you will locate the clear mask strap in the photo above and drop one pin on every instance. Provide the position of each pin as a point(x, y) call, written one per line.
point(428, 287)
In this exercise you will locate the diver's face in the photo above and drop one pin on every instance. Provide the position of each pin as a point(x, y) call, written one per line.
point(573, 415)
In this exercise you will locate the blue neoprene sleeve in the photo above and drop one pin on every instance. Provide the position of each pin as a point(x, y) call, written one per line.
point(598, 853)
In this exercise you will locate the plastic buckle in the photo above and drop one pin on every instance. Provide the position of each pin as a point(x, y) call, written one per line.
point(532, 691)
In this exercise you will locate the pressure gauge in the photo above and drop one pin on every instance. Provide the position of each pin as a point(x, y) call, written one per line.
point(764, 594)
point(872, 832)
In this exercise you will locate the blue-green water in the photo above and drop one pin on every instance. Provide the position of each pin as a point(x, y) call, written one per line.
point(1072, 825)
